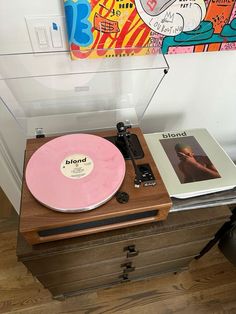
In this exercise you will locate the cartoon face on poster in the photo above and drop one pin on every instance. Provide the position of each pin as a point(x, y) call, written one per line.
point(116, 28)
point(171, 17)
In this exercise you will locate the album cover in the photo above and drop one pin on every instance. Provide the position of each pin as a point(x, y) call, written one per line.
point(191, 162)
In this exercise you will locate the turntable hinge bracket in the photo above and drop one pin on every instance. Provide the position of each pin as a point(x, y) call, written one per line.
point(39, 133)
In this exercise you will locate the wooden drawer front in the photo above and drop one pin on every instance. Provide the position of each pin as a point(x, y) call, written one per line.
point(121, 265)
point(55, 262)
point(155, 269)
point(76, 287)
point(91, 271)
point(169, 253)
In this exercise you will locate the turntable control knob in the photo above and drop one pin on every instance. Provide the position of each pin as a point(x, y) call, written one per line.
point(122, 197)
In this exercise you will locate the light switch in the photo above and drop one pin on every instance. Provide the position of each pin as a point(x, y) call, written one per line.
point(47, 33)
point(55, 30)
point(41, 36)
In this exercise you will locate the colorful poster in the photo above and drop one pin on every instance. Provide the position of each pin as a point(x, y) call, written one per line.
point(117, 28)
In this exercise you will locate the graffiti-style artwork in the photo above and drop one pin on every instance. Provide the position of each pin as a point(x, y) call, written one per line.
point(107, 28)
point(117, 28)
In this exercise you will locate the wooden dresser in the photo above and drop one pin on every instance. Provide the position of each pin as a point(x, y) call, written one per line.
point(76, 265)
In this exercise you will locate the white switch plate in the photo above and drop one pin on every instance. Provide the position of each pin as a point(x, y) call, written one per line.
point(47, 33)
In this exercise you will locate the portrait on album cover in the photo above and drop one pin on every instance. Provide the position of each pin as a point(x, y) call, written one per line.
point(190, 162)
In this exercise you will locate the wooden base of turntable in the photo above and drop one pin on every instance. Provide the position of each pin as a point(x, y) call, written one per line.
point(39, 224)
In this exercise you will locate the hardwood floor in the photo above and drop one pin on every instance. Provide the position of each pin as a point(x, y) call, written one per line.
point(209, 286)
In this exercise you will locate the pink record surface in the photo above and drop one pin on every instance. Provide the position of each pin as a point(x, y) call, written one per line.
point(75, 172)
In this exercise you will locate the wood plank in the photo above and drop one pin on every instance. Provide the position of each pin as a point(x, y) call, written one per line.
point(216, 300)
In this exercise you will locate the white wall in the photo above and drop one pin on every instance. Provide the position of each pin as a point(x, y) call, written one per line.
point(13, 31)
point(198, 91)
point(12, 144)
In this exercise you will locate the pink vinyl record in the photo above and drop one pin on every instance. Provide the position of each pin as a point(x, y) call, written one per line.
point(74, 173)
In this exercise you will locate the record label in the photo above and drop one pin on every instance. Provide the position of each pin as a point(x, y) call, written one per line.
point(75, 172)
point(76, 166)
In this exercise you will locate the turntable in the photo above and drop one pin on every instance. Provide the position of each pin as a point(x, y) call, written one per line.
point(85, 180)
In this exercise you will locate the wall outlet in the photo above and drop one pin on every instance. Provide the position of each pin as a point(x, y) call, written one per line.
point(47, 33)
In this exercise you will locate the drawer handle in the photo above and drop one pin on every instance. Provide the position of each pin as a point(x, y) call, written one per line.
point(124, 277)
point(131, 251)
point(128, 267)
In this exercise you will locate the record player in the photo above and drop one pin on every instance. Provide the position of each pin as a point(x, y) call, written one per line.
point(98, 98)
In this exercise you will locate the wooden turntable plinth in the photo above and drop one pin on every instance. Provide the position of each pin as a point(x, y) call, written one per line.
point(39, 224)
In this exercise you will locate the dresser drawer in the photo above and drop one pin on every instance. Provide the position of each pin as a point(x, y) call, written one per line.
point(160, 268)
point(121, 265)
point(71, 259)
point(77, 287)
point(83, 273)
point(169, 253)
